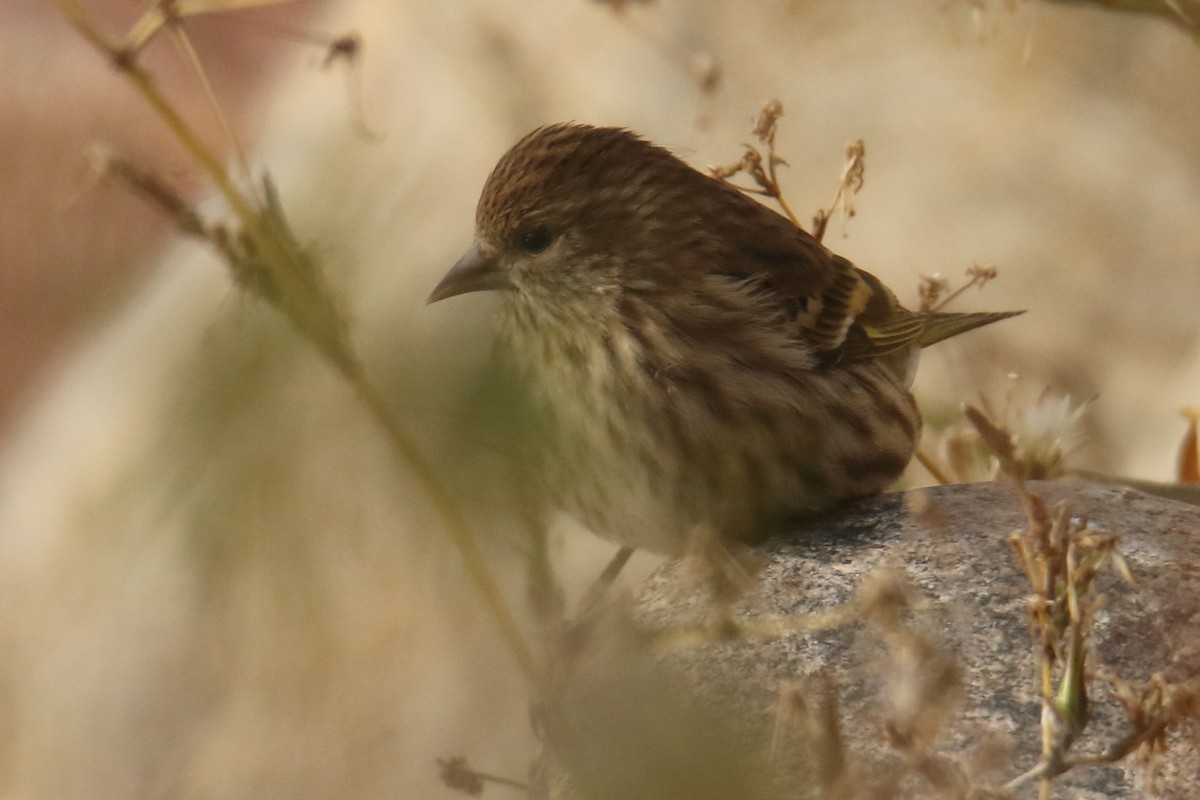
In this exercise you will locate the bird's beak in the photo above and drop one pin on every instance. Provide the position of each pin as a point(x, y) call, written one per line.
point(476, 271)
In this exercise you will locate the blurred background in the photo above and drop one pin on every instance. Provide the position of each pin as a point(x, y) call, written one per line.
point(216, 578)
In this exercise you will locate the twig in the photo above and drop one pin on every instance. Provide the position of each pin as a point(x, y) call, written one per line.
point(766, 178)
point(850, 184)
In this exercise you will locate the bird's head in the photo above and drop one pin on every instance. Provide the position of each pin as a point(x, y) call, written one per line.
point(571, 212)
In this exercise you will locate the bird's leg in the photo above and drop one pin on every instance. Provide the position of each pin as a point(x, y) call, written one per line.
point(595, 594)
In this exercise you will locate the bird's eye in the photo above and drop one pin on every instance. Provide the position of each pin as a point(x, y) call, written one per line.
point(535, 240)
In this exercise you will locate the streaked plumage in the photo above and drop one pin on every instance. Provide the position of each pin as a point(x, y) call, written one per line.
point(702, 360)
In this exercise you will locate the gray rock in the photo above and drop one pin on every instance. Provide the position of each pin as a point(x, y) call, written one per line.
point(882, 651)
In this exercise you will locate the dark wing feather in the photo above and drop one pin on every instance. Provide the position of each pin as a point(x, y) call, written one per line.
point(840, 311)
point(820, 294)
point(845, 313)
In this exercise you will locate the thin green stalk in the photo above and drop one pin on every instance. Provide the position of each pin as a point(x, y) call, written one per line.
point(302, 299)
point(456, 526)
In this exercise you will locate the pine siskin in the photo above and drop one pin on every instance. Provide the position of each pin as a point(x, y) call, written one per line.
point(702, 362)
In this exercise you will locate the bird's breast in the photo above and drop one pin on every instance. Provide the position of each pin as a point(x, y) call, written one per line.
point(656, 434)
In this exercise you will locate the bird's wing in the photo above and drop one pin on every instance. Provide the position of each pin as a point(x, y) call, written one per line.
point(834, 308)
point(847, 314)
point(841, 312)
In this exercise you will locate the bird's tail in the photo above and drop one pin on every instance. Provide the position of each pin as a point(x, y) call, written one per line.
point(939, 325)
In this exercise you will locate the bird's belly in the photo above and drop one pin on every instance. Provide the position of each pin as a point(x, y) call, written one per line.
point(649, 466)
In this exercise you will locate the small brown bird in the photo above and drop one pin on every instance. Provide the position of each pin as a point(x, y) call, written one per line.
point(701, 361)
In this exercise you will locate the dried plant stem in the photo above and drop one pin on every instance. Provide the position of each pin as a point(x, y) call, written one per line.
point(849, 185)
point(932, 288)
point(783, 204)
point(682, 637)
point(266, 260)
point(945, 301)
point(1061, 555)
point(931, 467)
point(125, 62)
point(184, 43)
point(456, 525)
point(763, 171)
